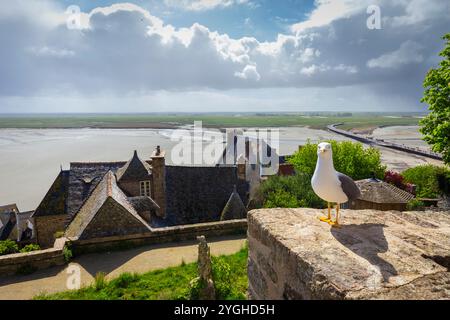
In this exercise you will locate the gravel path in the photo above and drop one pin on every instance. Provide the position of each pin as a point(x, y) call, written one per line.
point(137, 260)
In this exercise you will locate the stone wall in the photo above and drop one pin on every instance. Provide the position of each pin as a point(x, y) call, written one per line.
point(30, 261)
point(47, 226)
point(161, 235)
point(373, 255)
point(131, 188)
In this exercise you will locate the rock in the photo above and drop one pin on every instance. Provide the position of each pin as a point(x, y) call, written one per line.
point(374, 255)
point(207, 291)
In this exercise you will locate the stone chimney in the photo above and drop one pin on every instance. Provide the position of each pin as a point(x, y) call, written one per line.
point(159, 180)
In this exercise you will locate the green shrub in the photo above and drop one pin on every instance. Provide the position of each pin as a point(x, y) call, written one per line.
point(222, 277)
point(415, 204)
point(195, 285)
point(288, 192)
point(30, 247)
point(8, 247)
point(430, 180)
point(350, 158)
point(67, 253)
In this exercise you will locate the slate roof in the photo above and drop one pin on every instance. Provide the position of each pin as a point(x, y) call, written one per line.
point(106, 189)
point(193, 194)
point(143, 203)
point(234, 208)
point(55, 201)
point(134, 169)
point(199, 194)
point(84, 177)
point(374, 190)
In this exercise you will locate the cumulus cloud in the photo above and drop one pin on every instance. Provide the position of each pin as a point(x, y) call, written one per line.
point(124, 49)
point(249, 72)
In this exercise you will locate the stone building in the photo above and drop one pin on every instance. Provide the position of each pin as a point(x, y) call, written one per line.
point(379, 195)
point(254, 158)
point(106, 199)
point(15, 225)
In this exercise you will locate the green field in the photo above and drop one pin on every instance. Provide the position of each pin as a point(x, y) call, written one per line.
point(314, 120)
point(230, 277)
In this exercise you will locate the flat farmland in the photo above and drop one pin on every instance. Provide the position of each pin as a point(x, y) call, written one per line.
point(159, 121)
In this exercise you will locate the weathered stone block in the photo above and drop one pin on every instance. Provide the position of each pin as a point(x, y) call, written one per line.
point(374, 255)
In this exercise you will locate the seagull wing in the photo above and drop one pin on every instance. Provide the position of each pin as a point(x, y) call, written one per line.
point(348, 186)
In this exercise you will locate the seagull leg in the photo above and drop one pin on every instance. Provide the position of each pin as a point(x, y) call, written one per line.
point(336, 222)
point(329, 215)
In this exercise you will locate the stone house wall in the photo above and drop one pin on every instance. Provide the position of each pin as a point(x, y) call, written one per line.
point(47, 226)
point(112, 220)
point(131, 188)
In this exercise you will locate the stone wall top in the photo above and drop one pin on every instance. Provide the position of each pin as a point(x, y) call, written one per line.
point(374, 254)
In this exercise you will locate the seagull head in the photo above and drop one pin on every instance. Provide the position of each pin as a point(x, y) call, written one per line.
point(324, 150)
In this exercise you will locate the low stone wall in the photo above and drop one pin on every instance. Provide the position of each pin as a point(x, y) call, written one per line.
point(161, 235)
point(30, 261)
point(14, 263)
point(373, 255)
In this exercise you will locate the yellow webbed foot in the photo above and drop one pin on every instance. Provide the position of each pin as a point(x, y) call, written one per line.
point(334, 224)
point(325, 219)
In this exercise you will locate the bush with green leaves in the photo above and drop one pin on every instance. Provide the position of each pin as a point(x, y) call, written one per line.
point(30, 247)
point(350, 158)
point(67, 253)
point(288, 192)
point(430, 180)
point(8, 247)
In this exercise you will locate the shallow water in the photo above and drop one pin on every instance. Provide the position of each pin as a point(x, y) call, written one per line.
point(30, 159)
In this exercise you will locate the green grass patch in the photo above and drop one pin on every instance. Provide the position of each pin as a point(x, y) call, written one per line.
point(173, 283)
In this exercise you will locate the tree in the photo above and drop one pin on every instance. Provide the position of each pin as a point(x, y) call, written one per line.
point(436, 126)
point(350, 158)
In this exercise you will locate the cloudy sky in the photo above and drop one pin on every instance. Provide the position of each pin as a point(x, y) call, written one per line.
point(217, 55)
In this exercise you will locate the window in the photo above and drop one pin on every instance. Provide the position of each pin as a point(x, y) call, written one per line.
point(145, 188)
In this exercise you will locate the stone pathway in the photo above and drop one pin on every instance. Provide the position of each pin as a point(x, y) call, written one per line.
point(139, 260)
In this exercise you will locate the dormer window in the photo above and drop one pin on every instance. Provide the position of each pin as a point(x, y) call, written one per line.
point(145, 188)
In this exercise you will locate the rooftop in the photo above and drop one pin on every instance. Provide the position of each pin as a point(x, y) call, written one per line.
point(374, 190)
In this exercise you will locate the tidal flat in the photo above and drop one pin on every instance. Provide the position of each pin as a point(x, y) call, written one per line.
point(30, 159)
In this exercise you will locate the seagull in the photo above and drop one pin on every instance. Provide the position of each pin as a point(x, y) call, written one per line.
point(330, 185)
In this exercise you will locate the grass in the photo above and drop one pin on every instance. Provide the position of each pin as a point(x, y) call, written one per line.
point(315, 120)
point(165, 284)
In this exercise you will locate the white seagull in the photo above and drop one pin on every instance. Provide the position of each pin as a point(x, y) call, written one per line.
point(330, 185)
